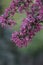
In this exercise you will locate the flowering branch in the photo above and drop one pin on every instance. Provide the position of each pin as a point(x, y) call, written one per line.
point(30, 25)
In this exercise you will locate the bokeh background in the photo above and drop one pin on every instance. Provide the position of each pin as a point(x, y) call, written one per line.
point(10, 54)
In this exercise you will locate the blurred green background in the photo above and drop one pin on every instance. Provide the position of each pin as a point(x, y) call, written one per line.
point(37, 41)
point(34, 47)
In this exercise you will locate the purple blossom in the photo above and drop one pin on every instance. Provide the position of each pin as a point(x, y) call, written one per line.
point(30, 25)
point(26, 33)
point(2, 20)
point(6, 21)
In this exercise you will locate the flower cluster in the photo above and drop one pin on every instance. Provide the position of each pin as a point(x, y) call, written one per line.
point(37, 10)
point(16, 5)
point(28, 29)
point(30, 25)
